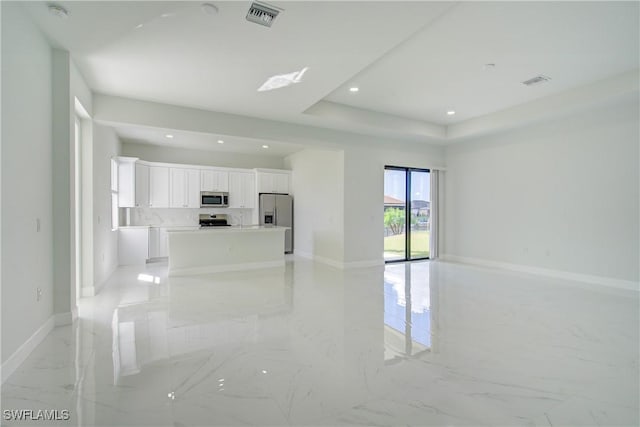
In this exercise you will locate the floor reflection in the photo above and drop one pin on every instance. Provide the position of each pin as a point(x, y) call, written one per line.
point(407, 309)
point(182, 315)
point(421, 343)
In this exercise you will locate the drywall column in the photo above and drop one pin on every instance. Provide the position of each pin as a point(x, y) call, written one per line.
point(87, 285)
point(318, 191)
point(62, 186)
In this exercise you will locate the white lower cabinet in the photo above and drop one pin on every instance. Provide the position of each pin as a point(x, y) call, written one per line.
point(158, 242)
point(133, 245)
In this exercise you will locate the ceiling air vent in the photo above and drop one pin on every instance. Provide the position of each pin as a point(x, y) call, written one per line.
point(262, 14)
point(536, 80)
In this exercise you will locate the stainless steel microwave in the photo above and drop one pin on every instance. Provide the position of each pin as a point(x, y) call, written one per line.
point(209, 199)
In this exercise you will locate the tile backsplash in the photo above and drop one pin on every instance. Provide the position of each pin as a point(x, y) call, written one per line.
point(181, 217)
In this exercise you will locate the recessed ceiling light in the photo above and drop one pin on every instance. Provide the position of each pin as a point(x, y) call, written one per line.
point(450, 113)
point(166, 15)
point(265, 146)
point(58, 11)
point(282, 80)
point(139, 26)
point(489, 66)
point(220, 141)
point(168, 136)
point(353, 89)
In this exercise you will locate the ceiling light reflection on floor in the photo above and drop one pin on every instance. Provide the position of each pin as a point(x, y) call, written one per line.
point(148, 278)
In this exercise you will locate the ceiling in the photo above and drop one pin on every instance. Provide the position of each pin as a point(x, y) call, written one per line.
point(412, 61)
point(203, 141)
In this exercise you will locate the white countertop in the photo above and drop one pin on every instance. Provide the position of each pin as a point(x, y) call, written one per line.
point(176, 227)
point(241, 228)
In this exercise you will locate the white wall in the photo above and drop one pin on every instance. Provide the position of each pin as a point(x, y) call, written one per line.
point(339, 199)
point(27, 255)
point(105, 146)
point(560, 196)
point(318, 191)
point(154, 153)
point(364, 196)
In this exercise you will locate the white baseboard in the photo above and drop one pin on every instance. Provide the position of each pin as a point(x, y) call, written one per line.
point(585, 278)
point(364, 264)
point(63, 319)
point(188, 271)
point(21, 354)
point(302, 254)
point(328, 261)
point(91, 291)
point(88, 291)
point(339, 264)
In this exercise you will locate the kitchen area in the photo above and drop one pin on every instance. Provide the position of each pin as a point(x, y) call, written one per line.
point(204, 219)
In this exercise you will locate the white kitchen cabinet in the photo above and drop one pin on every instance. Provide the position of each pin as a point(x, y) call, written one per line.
point(133, 245)
point(270, 182)
point(177, 188)
point(141, 186)
point(281, 183)
point(242, 190)
point(158, 242)
point(126, 181)
point(158, 187)
point(213, 180)
point(193, 190)
point(184, 188)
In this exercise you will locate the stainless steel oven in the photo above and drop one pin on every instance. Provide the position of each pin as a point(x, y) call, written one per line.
point(210, 199)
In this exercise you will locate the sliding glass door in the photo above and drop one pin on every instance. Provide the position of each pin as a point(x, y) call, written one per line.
point(406, 213)
point(395, 203)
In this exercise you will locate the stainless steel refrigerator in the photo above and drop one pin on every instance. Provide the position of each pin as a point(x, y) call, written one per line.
point(277, 209)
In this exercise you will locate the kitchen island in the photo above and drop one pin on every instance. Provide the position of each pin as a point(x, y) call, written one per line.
point(216, 249)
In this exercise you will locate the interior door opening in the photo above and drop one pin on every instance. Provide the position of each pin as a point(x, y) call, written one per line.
point(407, 213)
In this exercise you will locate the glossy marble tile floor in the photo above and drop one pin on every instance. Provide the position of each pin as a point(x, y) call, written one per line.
point(411, 344)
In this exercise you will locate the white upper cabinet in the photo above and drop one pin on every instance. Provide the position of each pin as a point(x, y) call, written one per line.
point(126, 182)
point(242, 190)
point(213, 180)
point(177, 188)
point(281, 183)
point(193, 188)
point(184, 189)
point(162, 185)
point(158, 186)
point(270, 182)
point(142, 185)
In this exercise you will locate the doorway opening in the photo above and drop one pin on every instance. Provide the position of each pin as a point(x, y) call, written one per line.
point(407, 213)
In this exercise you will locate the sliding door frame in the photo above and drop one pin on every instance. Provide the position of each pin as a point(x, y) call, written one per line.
point(407, 211)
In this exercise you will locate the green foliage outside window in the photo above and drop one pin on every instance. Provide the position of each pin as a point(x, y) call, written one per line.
point(394, 220)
